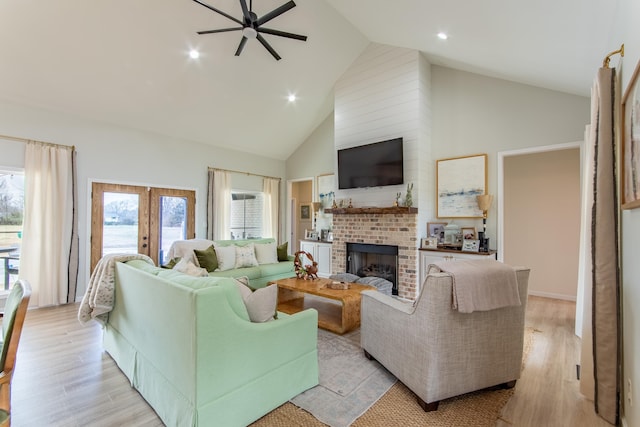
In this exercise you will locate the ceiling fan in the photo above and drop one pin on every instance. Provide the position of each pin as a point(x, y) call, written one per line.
point(251, 25)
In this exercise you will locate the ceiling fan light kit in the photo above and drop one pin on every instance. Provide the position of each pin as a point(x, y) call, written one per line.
point(251, 25)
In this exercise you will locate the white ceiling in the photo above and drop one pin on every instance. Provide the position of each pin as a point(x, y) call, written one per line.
point(126, 62)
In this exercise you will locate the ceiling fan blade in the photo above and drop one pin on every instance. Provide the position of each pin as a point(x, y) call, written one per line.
point(275, 12)
point(281, 33)
point(245, 11)
point(219, 11)
point(268, 47)
point(241, 45)
point(221, 30)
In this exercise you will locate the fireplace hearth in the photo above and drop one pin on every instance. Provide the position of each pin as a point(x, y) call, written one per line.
point(373, 260)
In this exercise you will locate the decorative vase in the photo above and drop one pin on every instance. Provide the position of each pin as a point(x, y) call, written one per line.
point(408, 201)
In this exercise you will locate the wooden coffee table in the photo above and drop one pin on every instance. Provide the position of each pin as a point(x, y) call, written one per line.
point(340, 317)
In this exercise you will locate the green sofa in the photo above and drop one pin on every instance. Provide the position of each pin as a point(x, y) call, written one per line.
point(188, 346)
point(259, 276)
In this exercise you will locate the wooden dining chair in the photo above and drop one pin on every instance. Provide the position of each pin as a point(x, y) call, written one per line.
point(15, 310)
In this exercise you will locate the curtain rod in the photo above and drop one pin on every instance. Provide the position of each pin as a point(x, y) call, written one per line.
point(246, 173)
point(605, 62)
point(18, 139)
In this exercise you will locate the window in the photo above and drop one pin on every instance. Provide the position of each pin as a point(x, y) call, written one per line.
point(247, 209)
point(11, 216)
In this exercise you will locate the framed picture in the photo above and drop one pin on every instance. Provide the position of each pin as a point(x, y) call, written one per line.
point(305, 211)
point(631, 143)
point(325, 190)
point(469, 233)
point(436, 229)
point(458, 181)
point(469, 245)
point(429, 243)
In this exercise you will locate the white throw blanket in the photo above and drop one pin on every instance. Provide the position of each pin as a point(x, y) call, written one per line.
point(98, 299)
point(481, 285)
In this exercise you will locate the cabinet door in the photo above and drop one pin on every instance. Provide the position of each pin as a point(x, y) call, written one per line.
point(323, 257)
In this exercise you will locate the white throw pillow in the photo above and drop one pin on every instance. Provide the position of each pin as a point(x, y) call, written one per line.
point(187, 267)
point(266, 253)
point(261, 303)
point(226, 257)
point(246, 256)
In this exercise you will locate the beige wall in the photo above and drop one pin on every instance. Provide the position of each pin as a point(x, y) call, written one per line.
point(541, 219)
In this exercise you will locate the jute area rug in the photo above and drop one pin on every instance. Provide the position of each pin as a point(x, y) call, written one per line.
point(399, 407)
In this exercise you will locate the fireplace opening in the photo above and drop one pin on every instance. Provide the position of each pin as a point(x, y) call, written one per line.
point(366, 260)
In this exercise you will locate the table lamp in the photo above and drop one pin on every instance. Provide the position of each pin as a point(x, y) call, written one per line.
point(484, 203)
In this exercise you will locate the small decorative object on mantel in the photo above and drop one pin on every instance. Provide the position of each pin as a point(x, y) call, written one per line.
point(309, 271)
point(338, 285)
point(350, 204)
point(397, 202)
point(408, 201)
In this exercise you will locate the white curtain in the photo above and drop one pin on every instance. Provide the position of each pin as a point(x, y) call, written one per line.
point(219, 205)
point(48, 255)
point(270, 217)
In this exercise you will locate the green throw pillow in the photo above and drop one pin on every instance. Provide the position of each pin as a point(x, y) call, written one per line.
point(207, 258)
point(283, 252)
point(172, 262)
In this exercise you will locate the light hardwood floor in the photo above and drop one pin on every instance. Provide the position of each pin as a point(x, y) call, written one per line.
point(63, 378)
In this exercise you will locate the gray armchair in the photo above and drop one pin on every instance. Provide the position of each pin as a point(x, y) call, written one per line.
point(438, 352)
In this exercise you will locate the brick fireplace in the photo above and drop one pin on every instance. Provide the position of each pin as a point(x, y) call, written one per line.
point(379, 226)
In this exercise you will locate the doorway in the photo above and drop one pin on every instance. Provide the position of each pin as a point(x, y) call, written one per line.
point(539, 202)
point(300, 193)
point(136, 219)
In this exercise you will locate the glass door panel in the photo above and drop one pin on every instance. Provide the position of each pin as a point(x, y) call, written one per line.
point(173, 223)
point(120, 226)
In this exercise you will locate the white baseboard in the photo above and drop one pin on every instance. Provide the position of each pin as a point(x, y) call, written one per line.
point(554, 296)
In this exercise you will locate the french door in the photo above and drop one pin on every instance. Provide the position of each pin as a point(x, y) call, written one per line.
point(134, 219)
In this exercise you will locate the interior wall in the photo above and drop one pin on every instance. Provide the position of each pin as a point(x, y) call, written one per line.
point(541, 219)
point(628, 32)
point(474, 114)
point(114, 154)
point(379, 98)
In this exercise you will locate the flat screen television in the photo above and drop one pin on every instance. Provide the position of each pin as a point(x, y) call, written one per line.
point(371, 165)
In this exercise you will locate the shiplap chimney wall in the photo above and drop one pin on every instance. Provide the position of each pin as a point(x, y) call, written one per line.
point(386, 94)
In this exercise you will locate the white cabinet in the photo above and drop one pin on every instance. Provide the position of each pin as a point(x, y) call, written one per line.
point(429, 256)
point(321, 253)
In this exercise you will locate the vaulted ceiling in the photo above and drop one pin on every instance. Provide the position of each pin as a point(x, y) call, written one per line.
point(126, 62)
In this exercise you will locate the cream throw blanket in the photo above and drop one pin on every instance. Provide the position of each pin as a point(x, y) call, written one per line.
point(480, 285)
point(98, 299)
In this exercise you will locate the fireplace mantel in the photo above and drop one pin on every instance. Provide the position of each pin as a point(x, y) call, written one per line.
point(364, 211)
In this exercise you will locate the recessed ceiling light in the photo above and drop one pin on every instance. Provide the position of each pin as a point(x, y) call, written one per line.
point(292, 97)
point(442, 35)
point(194, 54)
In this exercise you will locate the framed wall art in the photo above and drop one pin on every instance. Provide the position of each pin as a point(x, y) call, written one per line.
point(458, 181)
point(326, 194)
point(305, 211)
point(631, 143)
